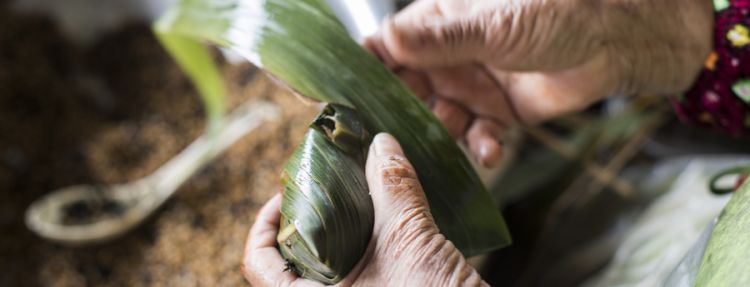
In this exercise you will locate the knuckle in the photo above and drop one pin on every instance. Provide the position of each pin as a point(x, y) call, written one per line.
point(441, 259)
point(410, 230)
point(416, 218)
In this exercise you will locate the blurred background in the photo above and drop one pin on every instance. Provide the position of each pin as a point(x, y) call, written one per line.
point(88, 95)
point(109, 106)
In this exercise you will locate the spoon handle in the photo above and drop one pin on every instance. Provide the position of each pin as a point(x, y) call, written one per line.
point(172, 174)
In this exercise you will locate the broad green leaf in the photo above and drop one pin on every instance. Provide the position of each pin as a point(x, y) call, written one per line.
point(302, 43)
point(727, 257)
point(196, 61)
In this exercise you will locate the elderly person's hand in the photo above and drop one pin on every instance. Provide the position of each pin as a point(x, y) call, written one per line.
point(406, 248)
point(487, 64)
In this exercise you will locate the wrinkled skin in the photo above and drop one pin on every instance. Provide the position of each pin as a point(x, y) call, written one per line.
point(406, 248)
point(476, 61)
point(484, 65)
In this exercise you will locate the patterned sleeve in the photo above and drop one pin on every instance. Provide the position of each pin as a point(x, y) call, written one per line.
point(720, 98)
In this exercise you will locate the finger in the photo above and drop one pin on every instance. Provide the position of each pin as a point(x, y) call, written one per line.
point(375, 45)
point(403, 223)
point(542, 96)
point(455, 118)
point(262, 264)
point(428, 33)
point(474, 88)
point(392, 181)
point(416, 81)
point(483, 141)
point(511, 35)
point(266, 226)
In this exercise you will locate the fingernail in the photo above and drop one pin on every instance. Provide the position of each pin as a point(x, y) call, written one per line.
point(484, 154)
point(384, 144)
point(490, 153)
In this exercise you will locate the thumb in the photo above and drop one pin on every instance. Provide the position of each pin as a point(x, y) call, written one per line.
point(407, 241)
point(397, 195)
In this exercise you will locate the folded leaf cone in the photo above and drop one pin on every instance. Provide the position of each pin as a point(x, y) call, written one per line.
point(327, 212)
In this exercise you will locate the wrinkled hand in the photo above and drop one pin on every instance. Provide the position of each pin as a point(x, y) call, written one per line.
point(406, 248)
point(487, 64)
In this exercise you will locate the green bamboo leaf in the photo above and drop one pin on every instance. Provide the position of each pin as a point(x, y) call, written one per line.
point(727, 256)
point(196, 61)
point(303, 44)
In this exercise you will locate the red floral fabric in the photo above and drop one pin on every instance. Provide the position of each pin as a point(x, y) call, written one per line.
point(720, 98)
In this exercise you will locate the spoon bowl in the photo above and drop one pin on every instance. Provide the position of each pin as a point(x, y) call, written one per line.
point(84, 214)
point(87, 213)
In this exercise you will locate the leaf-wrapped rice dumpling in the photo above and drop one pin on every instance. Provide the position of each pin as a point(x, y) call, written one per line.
point(327, 213)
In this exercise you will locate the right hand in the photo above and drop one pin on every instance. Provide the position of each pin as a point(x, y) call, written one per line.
point(488, 64)
point(406, 248)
